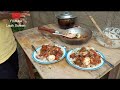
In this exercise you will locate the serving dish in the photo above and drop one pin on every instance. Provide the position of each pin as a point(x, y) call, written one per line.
point(84, 64)
point(43, 59)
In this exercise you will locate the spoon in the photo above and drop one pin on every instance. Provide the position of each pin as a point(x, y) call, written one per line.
point(34, 48)
point(108, 63)
point(107, 40)
point(111, 65)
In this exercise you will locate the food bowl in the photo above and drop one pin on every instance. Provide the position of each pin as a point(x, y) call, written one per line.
point(76, 50)
point(44, 60)
point(111, 32)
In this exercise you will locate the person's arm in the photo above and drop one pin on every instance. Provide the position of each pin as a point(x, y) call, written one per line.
point(5, 15)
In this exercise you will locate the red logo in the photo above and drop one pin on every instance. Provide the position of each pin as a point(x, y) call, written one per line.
point(16, 15)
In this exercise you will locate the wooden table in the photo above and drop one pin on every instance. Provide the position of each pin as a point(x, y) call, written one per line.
point(62, 70)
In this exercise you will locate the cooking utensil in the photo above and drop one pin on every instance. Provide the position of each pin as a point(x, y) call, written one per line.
point(77, 41)
point(52, 31)
point(46, 29)
point(66, 20)
point(96, 25)
point(107, 61)
point(75, 30)
point(108, 40)
point(34, 48)
point(112, 34)
point(62, 35)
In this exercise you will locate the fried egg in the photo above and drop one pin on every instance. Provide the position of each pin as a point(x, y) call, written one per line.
point(86, 61)
point(51, 57)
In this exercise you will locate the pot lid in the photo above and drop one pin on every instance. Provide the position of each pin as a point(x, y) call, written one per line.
point(65, 15)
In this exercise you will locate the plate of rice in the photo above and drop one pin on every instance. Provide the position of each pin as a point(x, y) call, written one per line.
point(85, 58)
point(49, 54)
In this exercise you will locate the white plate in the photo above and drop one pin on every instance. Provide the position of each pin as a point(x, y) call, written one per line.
point(69, 60)
point(46, 61)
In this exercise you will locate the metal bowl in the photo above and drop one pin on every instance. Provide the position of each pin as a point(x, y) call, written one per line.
point(75, 41)
point(107, 31)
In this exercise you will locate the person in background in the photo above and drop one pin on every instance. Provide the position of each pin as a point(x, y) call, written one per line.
point(9, 66)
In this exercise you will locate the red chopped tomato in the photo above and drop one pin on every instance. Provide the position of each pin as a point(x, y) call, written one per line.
point(56, 58)
point(46, 55)
point(72, 55)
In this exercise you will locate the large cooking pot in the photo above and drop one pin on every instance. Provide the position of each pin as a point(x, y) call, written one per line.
point(85, 33)
point(66, 20)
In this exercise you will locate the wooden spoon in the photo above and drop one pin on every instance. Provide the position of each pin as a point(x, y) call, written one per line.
point(107, 39)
